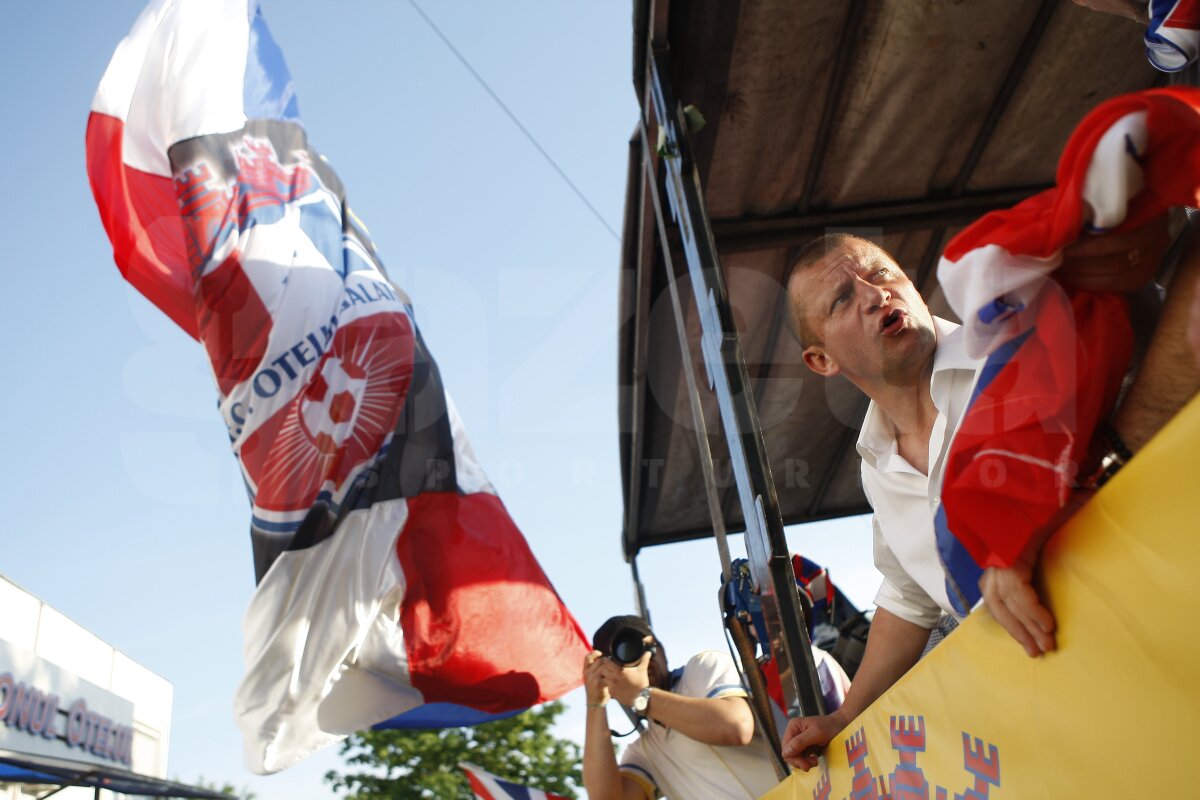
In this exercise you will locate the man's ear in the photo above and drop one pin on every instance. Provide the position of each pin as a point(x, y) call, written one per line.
point(820, 362)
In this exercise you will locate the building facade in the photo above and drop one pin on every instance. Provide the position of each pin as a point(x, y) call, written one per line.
point(66, 694)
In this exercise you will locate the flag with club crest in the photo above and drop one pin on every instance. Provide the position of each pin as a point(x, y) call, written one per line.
point(393, 587)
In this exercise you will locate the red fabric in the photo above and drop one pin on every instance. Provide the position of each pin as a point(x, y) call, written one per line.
point(320, 437)
point(474, 594)
point(1047, 401)
point(236, 324)
point(770, 673)
point(141, 216)
point(1045, 404)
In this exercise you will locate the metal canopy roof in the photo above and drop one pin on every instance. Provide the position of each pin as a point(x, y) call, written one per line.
point(26, 768)
point(899, 120)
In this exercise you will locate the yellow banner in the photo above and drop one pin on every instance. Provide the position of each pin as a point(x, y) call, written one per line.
point(1106, 715)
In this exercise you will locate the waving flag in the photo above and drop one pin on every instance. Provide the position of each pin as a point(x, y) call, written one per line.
point(1173, 36)
point(488, 787)
point(1055, 358)
point(392, 584)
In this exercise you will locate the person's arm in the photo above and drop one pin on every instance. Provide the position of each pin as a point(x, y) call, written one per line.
point(726, 721)
point(601, 776)
point(1169, 375)
point(1193, 331)
point(1168, 378)
point(893, 646)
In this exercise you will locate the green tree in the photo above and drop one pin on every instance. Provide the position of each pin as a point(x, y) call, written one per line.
point(225, 788)
point(414, 765)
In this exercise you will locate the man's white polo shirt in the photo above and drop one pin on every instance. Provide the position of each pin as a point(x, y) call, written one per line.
point(664, 762)
point(904, 500)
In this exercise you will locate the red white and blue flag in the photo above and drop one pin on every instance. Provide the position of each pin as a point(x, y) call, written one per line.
point(392, 585)
point(1055, 358)
point(1173, 35)
point(488, 787)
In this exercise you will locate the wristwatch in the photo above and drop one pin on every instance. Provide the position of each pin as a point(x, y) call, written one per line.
point(641, 703)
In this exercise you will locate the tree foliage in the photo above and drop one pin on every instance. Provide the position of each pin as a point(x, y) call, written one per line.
point(225, 788)
point(414, 765)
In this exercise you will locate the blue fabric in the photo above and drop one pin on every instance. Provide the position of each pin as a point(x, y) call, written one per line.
point(962, 572)
point(442, 715)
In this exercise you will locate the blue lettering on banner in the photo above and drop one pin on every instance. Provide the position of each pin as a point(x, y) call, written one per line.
point(354, 300)
point(29, 709)
point(361, 294)
point(261, 389)
point(283, 364)
point(302, 354)
point(268, 381)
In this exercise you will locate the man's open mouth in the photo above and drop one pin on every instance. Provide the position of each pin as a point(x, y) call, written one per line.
point(892, 322)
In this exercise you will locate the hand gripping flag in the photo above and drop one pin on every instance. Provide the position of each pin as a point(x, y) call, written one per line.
point(487, 786)
point(1056, 358)
point(392, 584)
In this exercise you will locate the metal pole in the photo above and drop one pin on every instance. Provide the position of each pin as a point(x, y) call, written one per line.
point(766, 545)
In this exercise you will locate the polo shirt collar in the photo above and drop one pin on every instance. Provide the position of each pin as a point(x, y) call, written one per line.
point(877, 439)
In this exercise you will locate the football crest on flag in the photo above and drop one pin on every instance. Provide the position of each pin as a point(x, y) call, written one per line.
point(387, 567)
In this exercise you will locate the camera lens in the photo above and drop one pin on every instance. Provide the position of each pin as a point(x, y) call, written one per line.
point(628, 647)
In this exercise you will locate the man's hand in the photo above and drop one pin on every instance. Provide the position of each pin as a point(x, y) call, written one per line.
point(806, 736)
point(1015, 604)
point(593, 679)
point(624, 682)
point(1115, 262)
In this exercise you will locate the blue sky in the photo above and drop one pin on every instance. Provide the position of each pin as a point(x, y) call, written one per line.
point(125, 509)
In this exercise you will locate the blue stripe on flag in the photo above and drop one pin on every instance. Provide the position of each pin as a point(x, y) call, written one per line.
point(996, 362)
point(442, 715)
point(267, 89)
point(962, 573)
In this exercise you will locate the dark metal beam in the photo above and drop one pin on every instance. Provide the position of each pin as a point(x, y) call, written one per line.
point(675, 537)
point(1015, 71)
point(783, 230)
point(933, 249)
point(849, 437)
point(638, 241)
point(764, 374)
point(841, 68)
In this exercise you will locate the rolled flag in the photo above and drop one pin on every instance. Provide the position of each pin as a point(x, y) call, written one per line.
point(487, 786)
point(1173, 36)
point(1055, 358)
point(392, 585)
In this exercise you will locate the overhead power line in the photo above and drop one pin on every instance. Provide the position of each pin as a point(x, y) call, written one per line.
point(532, 140)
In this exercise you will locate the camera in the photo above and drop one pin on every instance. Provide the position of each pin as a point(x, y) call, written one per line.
point(628, 646)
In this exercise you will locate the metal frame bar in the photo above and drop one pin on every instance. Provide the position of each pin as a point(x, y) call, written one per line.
point(766, 545)
point(1025, 55)
point(637, 220)
point(766, 233)
point(849, 436)
point(691, 535)
point(841, 69)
